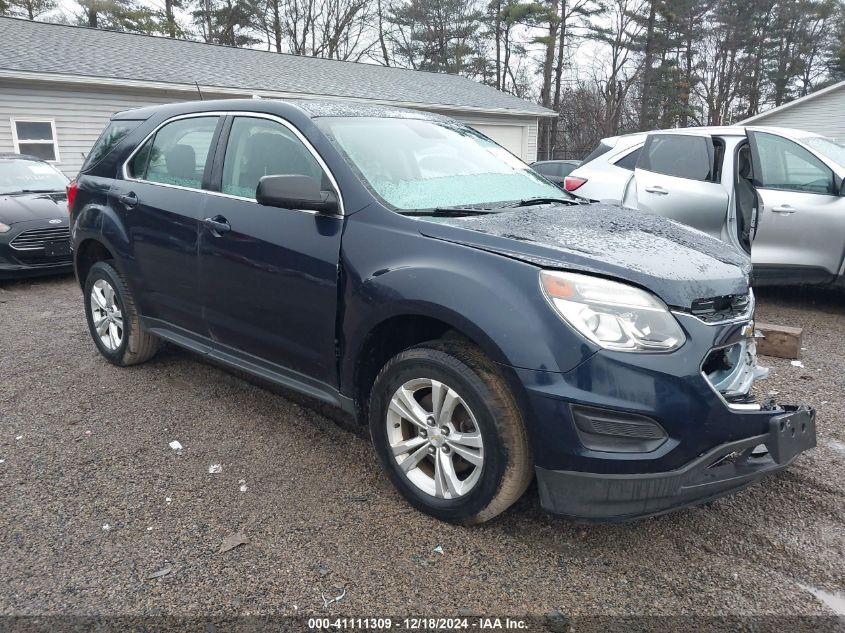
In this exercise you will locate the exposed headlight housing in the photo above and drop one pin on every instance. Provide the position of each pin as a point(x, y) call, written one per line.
point(614, 315)
point(5, 228)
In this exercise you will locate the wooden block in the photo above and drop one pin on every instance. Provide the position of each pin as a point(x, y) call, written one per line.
point(782, 341)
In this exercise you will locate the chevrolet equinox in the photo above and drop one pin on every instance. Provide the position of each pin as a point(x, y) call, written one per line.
point(487, 327)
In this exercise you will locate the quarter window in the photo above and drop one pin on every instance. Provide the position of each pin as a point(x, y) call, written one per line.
point(177, 154)
point(629, 161)
point(682, 156)
point(260, 147)
point(788, 166)
point(35, 138)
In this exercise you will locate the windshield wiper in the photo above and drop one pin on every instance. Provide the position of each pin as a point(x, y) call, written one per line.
point(42, 191)
point(453, 212)
point(530, 202)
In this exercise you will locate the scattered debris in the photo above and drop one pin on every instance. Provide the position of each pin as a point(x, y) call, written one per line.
point(2, 461)
point(796, 363)
point(338, 598)
point(106, 527)
point(438, 549)
point(167, 499)
point(232, 541)
point(150, 529)
point(160, 573)
point(215, 469)
point(323, 570)
point(837, 446)
point(19, 437)
point(175, 445)
point(833, 601)
point(242, 485)
point(358, 499)
point(556, 622)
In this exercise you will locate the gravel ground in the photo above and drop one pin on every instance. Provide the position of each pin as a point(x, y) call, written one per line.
point(94, 500)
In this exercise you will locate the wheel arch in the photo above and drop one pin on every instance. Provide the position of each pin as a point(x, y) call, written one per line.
point(400, 331)
point(87, 253)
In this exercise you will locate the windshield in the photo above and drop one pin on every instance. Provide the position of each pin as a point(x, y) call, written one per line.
point(827, 147)
point(417, 164)
point(19, 175)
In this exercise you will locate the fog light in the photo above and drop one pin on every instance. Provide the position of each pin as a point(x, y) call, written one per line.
point(616, 431)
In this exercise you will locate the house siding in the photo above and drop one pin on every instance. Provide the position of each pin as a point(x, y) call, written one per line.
point(824, 114)
point(81, 112)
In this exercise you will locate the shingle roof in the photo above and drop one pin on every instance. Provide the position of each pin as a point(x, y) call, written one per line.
point(70, 50)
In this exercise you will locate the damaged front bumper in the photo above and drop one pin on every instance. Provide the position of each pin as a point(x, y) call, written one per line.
point(700, 432)
point(721, 471)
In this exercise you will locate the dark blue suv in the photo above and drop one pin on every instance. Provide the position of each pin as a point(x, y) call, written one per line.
point(405, 268)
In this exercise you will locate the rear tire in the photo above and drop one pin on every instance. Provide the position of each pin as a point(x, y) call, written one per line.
point(113, 319)
point(448, 432)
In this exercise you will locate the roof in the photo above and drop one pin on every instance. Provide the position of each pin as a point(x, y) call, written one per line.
point(13, 156)
point(44, 50)
point(717, 130)
point(792, 104)
point(313, 109)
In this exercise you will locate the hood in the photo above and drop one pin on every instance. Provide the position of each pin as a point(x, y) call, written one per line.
point(677, 263)
point(34, 206)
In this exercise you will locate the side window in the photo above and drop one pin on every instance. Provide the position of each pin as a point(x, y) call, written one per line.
point(629, 161)
point(682, 156)
point(177, 154)
point(260, 147)
point(786, 165)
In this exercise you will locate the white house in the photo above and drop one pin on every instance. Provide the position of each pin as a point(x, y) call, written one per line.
point(59, 85)
point(822, 112)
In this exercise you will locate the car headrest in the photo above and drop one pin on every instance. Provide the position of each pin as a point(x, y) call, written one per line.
point(181, 162)
point(744, 164)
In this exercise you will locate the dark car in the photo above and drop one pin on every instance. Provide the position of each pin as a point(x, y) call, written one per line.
point(407, 269)
point(34, 234)
point(555, 171)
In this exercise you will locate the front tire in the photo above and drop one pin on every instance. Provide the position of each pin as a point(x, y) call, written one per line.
point(448, 432)
point(113, 319)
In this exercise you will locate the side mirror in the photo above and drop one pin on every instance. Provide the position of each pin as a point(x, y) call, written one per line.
point(295, 192)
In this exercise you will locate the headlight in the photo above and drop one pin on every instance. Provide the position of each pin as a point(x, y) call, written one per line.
point(5, 228)
point(611, 314)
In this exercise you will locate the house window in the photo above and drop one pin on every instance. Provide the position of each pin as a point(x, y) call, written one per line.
point(36, 138)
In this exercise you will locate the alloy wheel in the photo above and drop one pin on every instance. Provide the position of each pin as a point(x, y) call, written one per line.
point(434, 438)
point(106, 315)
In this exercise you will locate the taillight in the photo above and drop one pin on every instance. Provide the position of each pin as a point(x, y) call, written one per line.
point(571, 183)
point(71, 194)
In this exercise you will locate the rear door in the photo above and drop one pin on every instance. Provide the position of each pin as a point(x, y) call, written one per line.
point(161, 202)
point(679, 176)
point(269, 281)
point(801, 227)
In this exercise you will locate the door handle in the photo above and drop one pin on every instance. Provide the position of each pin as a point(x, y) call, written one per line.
point(783, 209)
point(660, 191)
point(130, 200)
point(218, 225)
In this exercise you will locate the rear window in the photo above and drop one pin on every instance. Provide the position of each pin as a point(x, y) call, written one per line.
point(115, 132)
point(601, 149)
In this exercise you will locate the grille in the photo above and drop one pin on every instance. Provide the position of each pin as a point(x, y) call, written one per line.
point(727, 308)
point(35, 239)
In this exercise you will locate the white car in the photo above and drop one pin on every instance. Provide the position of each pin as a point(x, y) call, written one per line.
point(781, 188)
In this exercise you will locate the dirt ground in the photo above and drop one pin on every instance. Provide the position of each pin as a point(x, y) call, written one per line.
point(95, 501)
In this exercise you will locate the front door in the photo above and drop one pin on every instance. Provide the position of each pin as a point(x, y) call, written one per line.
point(269, 276)
point(801, 227)
point(678, 176)
point(161, 201)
